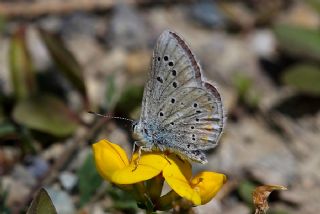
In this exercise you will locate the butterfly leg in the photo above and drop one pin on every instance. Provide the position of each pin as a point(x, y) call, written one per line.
point(136, 162)
point(135, 143)
point(165, 155)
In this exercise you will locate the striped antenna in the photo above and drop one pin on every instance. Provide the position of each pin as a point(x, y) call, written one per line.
point(111, 117)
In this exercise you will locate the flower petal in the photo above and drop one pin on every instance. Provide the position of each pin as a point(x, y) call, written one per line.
point(150, 165)
point(207, 184)
point(175, 175)
point(109, 158)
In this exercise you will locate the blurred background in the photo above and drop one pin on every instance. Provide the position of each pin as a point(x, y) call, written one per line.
point(60, 59)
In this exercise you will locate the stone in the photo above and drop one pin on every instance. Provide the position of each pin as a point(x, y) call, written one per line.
point(62, 201)
point(68, 180)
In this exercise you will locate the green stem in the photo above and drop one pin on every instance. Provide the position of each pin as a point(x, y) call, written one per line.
point(139, 191)
point(154, 187)
point(166, 201)
point(142, 197)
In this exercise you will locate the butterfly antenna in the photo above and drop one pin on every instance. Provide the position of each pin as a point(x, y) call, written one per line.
point(111, 117)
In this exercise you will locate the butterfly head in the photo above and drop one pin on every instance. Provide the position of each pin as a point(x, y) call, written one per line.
point(138, 132)
point(143, 133)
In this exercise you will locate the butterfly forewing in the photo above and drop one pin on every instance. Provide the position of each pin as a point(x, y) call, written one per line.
point(186, 111)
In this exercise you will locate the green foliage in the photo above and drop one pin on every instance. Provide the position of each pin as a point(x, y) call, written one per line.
point(30, 107)
point(89, 180)
point(130, 99)
point(64, 59)
point(3, 199)
point(2, 23)
point(22, 76)
point(245, 190)
point(298, 40)
point(243, 84)
point(315, 4)
point(42, 204)
point(277, 211)
point(122, 200)
point(303, 77)
point(110, 93)
point(6, 128)
point(47, 114)
point(246, 93)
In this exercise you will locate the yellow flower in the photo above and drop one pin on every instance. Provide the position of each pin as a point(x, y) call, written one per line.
point(113, 165)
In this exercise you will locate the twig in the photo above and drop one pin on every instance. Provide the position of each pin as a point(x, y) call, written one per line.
point(31, 10)
point(25, 9)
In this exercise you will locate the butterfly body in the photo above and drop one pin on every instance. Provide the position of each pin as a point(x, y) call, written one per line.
point(181, 112)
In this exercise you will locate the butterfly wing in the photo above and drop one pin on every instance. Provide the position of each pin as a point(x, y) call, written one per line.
point(186, 110)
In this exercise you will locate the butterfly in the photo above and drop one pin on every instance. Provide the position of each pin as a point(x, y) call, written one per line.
point(181, 112)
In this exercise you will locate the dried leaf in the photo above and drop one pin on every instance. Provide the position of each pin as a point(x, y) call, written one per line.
point(260, 196)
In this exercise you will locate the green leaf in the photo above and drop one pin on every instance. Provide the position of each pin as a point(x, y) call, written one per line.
point(315, 4)
point(47, 114)
point(122, 200)
point(304, 78)
point(110, 93)
point(130, 99)
point(245, 190)
point(298, 40)
point(2, 23)
point(6, 128)
point(125, 205)
point(65, 60)
point(42, 204)
point(89, 180)
point(3, 199)
point(243, 84)
point(22, 75)
point(247, 94)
